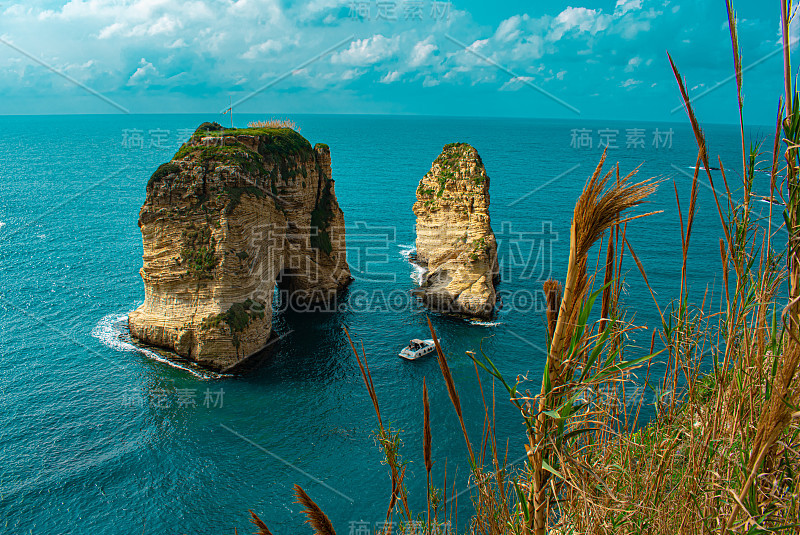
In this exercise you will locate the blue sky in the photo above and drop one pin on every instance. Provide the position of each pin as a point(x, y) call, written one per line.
point(555, 59)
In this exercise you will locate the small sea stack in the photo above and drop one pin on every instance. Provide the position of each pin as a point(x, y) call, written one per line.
point(455, 241)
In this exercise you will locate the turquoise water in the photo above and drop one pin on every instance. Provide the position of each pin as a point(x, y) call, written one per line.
point(98, 436)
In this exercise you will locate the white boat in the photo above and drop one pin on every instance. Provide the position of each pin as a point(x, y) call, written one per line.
point(417, 348)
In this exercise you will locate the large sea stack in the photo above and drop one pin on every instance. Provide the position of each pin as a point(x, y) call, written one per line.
point(454, 234)
point(233, 214)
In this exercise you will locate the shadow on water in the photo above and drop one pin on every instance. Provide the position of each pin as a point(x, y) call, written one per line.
point(309, 346)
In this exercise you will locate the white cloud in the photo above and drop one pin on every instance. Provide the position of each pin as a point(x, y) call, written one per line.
point(516, 83)
point(580, 19)
point(163, 25)
point(110, 30)
point(633, 63)
point(422, 52)
point(363, 52)
point(270, 45)
point(478, 45)
point(186, 41)
point(509, 29)
point(531, 47)
point(143, 74)
point(390, 77)
point(624, 6)
point(351, 74)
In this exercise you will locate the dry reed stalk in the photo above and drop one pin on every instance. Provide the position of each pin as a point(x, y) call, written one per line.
point(262, 527)
point(605, 307)
point(552, 292)
point(386, 437)
point(451, 389)
point(737, 67)
point(318, 520)
point(701, 142)
point(426, 444)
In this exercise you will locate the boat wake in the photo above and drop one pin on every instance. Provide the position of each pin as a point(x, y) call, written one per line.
point(485, 323)
point(2, 224)
point(112, 331)
point(417, 275)
point(692, 167)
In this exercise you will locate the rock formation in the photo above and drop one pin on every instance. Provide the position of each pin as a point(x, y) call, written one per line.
point(233, 214)
point(454, 234)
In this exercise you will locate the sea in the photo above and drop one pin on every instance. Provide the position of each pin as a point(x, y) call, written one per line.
point(100, 435)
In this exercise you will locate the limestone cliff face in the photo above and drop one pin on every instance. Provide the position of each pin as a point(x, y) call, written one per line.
point(454, 234)
point(235, 213)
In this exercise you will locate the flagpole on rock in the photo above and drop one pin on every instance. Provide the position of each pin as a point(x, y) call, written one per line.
point(229, 109)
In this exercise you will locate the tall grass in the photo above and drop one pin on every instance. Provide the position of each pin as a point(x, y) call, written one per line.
point(722, 453)
point(274, 123)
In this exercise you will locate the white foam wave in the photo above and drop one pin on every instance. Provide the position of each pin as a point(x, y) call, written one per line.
point(112, 331)
point(2, 224)
point(418, 275)
point(406, 250)
point(418, 272)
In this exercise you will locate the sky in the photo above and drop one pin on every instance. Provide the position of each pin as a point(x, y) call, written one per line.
point(555, 59)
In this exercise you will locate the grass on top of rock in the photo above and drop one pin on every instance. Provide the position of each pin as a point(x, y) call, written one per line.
point(280, 139)
point(238, 155)
point(449, 163)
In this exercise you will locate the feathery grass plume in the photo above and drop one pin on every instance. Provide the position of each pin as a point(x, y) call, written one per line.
point(595, 212)
point(315, 517)
point(552, 292)
point(262, 527)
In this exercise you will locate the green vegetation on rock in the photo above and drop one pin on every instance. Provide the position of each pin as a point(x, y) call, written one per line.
point(198, 253)
point(422, 191)
point(163, 170)
point(282, 141)
point(237, 317)
point(235, 196)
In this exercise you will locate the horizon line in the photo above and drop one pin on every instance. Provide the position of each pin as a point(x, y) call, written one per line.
point(418, 115)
